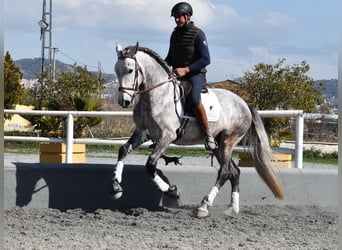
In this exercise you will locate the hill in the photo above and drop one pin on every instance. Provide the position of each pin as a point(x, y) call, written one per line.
point(330, 87)
point(31, 68)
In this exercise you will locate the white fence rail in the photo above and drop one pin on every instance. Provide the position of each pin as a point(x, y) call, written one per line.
point(69, 140)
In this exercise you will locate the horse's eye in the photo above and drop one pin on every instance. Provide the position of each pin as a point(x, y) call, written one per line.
point(130, 71)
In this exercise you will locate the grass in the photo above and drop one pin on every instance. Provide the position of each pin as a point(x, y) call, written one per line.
point(321, 161)
point(312, 155)
point(144, 151)
point(33, 147)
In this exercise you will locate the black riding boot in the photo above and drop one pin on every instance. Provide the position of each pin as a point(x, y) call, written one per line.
point(201, 115)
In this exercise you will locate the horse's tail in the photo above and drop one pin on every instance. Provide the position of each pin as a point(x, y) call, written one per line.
point(262, 155)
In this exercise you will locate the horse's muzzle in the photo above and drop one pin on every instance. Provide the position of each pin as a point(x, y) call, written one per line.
point(125, 102)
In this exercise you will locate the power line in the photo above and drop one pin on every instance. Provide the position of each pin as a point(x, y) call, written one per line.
point(76, 61)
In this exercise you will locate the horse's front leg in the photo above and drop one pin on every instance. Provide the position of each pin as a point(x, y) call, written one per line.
point(138, 138)
point(151, 167)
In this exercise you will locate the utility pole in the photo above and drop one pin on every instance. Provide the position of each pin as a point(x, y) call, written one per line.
point(54, 64)
point(99, 70)
point(46, 37)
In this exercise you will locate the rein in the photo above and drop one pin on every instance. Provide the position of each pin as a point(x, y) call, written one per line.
point(170, 79)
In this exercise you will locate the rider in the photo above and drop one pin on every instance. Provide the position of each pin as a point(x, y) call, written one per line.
point(189, 55)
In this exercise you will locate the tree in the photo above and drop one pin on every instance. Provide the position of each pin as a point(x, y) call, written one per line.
point(281, 87)
point(28, 97)
point(13, 90)
point(75, 90)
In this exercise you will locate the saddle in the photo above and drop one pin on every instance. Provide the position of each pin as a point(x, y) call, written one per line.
point(208, 97)
point(209, 101)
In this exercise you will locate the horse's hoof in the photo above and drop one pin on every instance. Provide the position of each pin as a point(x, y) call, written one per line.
point(231, 211)
point(117, 195)
point(206, 201)
point(173, 192)
point(117, 190)
point(202, 211)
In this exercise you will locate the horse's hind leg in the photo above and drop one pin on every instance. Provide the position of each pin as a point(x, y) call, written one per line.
point(228, 170)
point(234, 206)
point(208, 200)
point(138, 138)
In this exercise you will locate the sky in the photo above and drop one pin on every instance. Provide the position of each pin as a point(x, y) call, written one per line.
point(240, 33)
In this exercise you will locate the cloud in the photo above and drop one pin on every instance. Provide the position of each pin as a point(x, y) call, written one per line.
point(326, 48)
point(21, 17)
point(260, 52)
point(221, 22)
point(237, 39)
point(104, 13)
point(276, 20)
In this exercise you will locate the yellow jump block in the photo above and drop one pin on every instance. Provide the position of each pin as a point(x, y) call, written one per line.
point(282, 161)
point(56, 153)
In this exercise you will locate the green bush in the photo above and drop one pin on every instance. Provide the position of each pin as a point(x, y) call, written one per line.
point(317, 156)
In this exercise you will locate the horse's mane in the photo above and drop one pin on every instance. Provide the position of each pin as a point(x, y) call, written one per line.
point(156, 57)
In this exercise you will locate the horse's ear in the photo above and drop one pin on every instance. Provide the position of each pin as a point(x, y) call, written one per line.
point(118, 49)
point(136, 47)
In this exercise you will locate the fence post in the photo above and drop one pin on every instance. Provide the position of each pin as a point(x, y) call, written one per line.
point(299, 140)
point(69, 138)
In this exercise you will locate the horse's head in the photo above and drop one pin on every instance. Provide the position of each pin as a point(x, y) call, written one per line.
point(129, 74)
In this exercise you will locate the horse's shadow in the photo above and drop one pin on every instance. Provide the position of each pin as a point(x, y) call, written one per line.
point(86, 186)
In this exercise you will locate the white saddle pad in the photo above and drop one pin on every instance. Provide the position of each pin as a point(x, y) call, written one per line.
point(210, 103)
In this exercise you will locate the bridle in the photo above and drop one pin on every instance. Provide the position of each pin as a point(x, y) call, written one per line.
point(137, 69)
point(140, 89)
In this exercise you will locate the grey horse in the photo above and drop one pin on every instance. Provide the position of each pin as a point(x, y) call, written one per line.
point(147, 84)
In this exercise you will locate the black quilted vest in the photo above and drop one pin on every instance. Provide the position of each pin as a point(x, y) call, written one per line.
point(182, 46)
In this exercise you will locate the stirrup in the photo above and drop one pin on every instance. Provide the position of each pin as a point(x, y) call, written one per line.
point(210, 143)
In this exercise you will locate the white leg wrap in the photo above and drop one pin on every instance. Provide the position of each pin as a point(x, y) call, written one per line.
point(118, 171)
point(212, 194)
point(235, 201)
point(163, 186)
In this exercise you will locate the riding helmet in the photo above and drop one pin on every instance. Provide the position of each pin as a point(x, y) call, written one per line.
point(181, 8)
